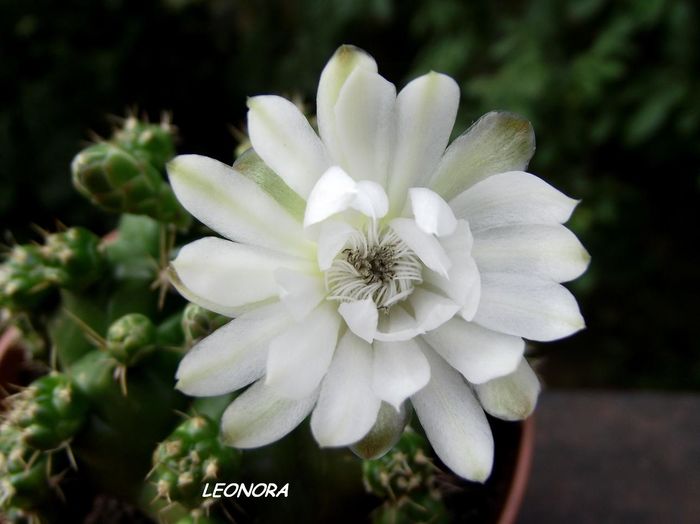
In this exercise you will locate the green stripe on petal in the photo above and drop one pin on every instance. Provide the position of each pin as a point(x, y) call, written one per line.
point(250, 165)
point(498, 142)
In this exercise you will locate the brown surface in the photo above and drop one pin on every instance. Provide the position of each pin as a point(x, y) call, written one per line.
point(615, 457)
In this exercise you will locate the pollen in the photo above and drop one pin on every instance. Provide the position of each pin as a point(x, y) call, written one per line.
point(374, 264)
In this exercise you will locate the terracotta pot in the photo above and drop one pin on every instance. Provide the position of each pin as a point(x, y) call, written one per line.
point(521, 473)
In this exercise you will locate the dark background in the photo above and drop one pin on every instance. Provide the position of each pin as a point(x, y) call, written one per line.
point(612, 88)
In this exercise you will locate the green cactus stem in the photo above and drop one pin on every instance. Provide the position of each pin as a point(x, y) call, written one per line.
point(407, 479)
point(130, 338)
point(76, 256)
point(198, 322)
point(49, 412)
point(189, 457)
point(25, 281)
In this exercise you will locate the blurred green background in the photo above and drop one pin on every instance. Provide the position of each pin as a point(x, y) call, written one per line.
point(612, 88)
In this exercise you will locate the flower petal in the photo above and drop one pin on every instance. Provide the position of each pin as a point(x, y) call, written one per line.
point(300, 292)
point(454, 422)
point(336, 191)
point(332, 238)
point(512, 198)
point(425, 246)
point(398, 371)
point(233, 205)
point(366, 124)
point(431, 310)
point(385, 433)
point(339, 68)
point(231, 274)
point(462, 283)
point(285, 140)
point(496, 143)
point(476, 352)
point(398, 325)
point(528, 307)
point(426, 111)
point(300, 356)
point(347, 407)
point(260, 416)
point(234, 355)
point(512, 397)
point(251, 166)
point(433, 215)
point(550, 251)
point(361, 316)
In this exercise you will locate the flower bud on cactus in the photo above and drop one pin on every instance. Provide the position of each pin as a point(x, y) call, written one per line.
point(407, 478)
point(48, 413)
point(198, 322)
point(130, 338)
point(75, 256)
point(151, 142)
point(24, 279)
point(189, 457)
point(116, 180)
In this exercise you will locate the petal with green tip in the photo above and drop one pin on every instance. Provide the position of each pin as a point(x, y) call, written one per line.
point(496, 143)
point(512, 397)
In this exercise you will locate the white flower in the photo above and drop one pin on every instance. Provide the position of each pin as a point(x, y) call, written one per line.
point(371, 267)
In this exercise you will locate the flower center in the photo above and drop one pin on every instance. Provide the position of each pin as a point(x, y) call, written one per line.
point(376, 265)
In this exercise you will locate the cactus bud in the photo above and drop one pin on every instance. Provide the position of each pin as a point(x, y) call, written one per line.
point(130, 338)
point(76, 256)
point(198, 322)
point(24, 279)
point(115, 180)
point(190, 456)
point(49, 412)
point(24, 476)
point(151, 142)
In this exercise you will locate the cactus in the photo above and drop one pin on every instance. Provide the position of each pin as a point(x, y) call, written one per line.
point(406, 478)
point(105, 413)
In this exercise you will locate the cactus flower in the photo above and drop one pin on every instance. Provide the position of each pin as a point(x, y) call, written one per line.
point(369, 265)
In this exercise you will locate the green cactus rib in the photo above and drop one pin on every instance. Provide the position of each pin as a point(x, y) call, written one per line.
point(198, 322)
point(154, 143)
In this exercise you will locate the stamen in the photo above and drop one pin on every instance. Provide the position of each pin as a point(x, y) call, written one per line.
point(376, 265)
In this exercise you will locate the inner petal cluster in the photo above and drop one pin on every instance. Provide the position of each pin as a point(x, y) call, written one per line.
point(374, 265)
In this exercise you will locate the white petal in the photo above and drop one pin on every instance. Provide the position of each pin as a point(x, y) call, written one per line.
point(332, 238)
point(234, 205)
point(361, 316)
point(385, 433)
point(527, 307)
point(345, 60)
point(462, 283)
point(250, 165)
point(190, 296)
point(454, 422)
point(260, 416)
point(230, 274)
point(234, 355)
point(512, 397)
point(347, 407)
point(285, 140)
point(300, 356)
point(433, 215)
point(431, 310)
point(476, 352)
point(365, 124)
point(426, 111)
point(550, 251)
point(371, 199)
point(399, 370)
point(425, 246)
point(496, 143)
point(512, 198)
point(336, 191)
point(300, 292)
point(398, 325)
